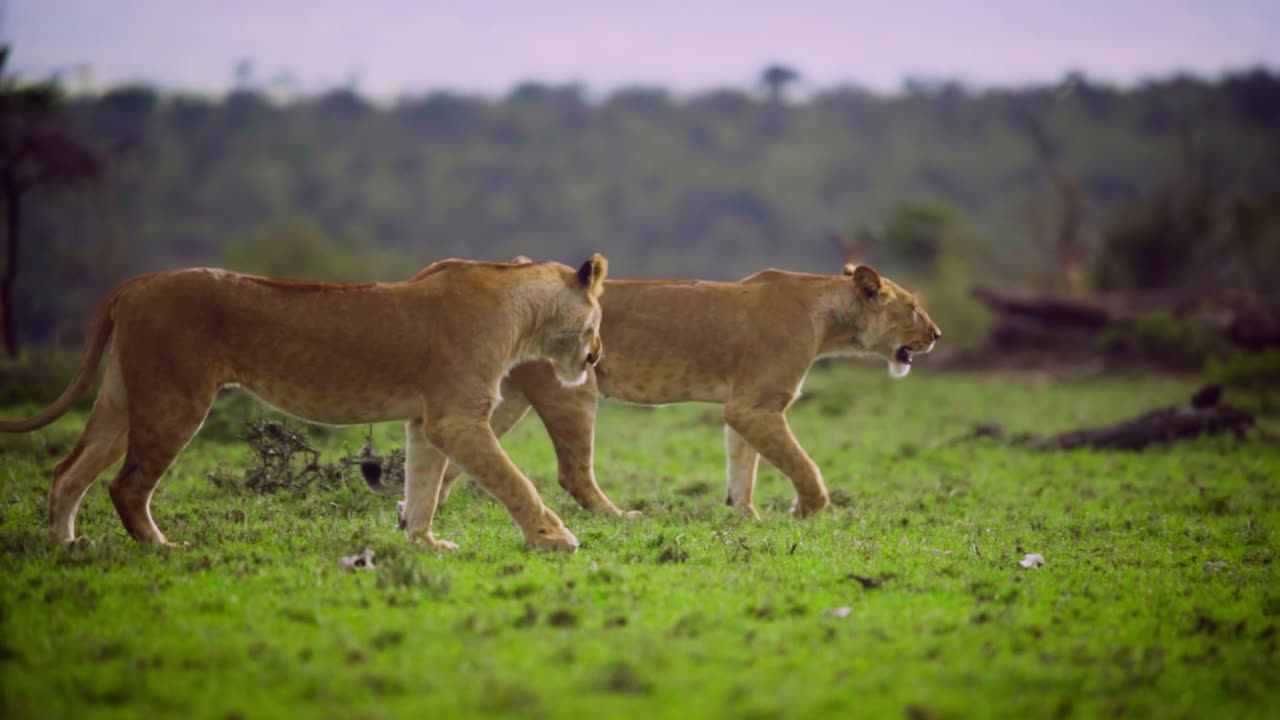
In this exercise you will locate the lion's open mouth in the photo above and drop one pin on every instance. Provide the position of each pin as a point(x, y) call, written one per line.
point(900, 365)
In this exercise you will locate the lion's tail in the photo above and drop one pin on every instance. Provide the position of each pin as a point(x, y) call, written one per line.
point(100, 331)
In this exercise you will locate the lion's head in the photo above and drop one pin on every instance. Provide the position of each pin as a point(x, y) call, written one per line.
point(891, 323)
point(570, 336)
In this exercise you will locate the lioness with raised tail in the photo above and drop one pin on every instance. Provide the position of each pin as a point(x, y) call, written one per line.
point(430, 351)
point(746, 345)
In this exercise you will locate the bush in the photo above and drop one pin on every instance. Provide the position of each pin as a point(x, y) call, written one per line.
point(915, 233)
point(1156, 244)
point(285, 460)
point(1246, 370)
point(1163, 338)
point(38, 379)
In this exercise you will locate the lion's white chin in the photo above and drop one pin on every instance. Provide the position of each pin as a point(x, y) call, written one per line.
point(898, 369)
point(574, 381)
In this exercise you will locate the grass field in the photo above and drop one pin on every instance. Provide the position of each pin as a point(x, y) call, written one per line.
point(906, 599)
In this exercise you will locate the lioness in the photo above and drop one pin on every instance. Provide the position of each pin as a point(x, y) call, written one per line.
point(431, 351)
point(747, 345)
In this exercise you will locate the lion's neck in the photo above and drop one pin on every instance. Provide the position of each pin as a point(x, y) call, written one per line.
point(533, 307)
point(835, 316)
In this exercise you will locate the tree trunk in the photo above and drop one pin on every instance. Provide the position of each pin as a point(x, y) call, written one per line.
point(12, 200)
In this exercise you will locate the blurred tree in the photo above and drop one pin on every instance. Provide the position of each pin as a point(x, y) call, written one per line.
point(775, 79)
point(123, 114)
point(244, 109)
point(666, 185)
point(442, 114)
point(640, 99)
point(1154, 245)
point(914, 235)
point(1030, 117)
point(294, 249)
point(1252, 239)
point(37, 152)
point(342, 104)
point(244, 75)
point(1256, 95)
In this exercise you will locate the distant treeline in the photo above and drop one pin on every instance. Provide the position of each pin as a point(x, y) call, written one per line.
point(715, 185)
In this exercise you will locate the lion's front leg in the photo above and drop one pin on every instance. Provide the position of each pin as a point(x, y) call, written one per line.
point(769, 433)
point(424, 468)
point(569, 415)
point(511, 409)
point(471, 444)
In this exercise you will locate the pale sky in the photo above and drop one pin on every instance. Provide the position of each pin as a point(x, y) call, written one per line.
point(394, 47)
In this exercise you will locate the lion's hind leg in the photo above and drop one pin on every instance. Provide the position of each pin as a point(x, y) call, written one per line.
point(423, 477)
point(159, 429)
point(741, 464)
point(101, 444)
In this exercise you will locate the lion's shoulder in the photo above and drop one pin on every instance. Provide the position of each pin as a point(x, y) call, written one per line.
point(774, 275)
point(454, 265)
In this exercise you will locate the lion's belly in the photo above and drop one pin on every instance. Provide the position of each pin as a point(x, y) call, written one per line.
point(330, 407)
point(651, 385)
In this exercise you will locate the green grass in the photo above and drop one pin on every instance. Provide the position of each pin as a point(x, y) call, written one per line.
point(689, 611)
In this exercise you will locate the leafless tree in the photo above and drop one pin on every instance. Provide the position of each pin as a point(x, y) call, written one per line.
point(38, 152)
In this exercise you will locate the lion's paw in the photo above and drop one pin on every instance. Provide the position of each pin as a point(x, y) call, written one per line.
point(808, 508)
point(431, 542)
point(442, 545)
point(557, 539)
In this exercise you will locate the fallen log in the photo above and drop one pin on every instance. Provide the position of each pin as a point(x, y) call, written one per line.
point(1204, 415)
point(1049, 309)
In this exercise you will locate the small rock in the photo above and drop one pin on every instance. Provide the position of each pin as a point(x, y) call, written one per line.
point(403, 522)
point(841, 612)
point(363, 561)
point(1032, 560)
point(593, 567)
point(1214, 566)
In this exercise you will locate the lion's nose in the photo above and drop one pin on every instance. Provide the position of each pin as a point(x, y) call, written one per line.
point(592, 359)
point(936, 334)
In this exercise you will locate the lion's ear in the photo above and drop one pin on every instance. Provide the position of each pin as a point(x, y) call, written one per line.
point(592, 274)
point(521, 260)
point(867, 281)
point(849, 268)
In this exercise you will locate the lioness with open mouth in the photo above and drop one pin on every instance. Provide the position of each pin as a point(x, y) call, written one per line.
point(431, 351)
point(747, 345)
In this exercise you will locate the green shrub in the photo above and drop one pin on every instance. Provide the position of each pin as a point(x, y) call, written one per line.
point(915, 233)
point(1251, 370)
point(1162, 337)
point(38, 379)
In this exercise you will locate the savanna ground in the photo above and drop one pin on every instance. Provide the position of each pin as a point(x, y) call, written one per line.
point(906, 598)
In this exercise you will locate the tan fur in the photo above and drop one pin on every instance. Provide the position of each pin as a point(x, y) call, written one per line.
point(746, 345)
point(430, 351)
